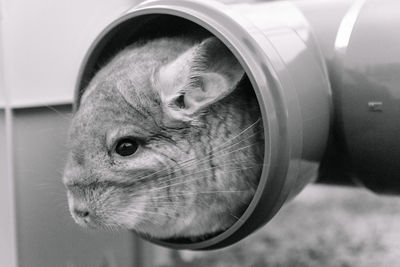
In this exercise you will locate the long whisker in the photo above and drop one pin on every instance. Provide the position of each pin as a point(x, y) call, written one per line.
point(212, 153)
point(67, 116)
point(187, 193)
point(226, 142)
point(164, 179)
point(230, 152)
point(167, 176)
point(163, 182)
point(147, 212)
point(190, 180)
point(213, 150)
point(239, 134)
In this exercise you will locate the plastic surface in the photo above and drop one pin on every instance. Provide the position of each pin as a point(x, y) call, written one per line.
point(360, 41)
point(276, 47)
point(368, 95)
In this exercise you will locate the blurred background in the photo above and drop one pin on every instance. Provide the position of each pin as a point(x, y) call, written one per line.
point(42, 44)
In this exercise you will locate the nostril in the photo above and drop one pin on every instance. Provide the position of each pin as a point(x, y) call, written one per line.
point(83, 213)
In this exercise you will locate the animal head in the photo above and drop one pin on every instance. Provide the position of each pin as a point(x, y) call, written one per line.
point(151, 143)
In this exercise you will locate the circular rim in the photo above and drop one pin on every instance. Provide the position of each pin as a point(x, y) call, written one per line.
point(267, 89)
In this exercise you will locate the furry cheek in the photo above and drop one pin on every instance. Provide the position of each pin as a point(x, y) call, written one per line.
point(129, 214)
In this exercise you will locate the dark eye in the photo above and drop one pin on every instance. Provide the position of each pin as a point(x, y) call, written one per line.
point(126, 147)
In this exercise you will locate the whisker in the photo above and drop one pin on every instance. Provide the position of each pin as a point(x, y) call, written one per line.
point(239, 134)
point(165, 179)
point(190, 180)
point(67, 116)
point(218, 153)
point(213, 150)
point(147, 212)
point(229, 140)
point(160, 203)
point(230, 152)
point(188, 193)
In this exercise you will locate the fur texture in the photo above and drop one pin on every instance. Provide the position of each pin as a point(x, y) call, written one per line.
point(197, 122)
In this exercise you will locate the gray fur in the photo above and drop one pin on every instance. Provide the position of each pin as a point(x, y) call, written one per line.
point(189, 177)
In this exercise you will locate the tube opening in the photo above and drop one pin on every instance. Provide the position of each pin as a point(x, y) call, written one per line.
point(241, 148)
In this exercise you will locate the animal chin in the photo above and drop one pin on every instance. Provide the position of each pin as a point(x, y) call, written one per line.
point(85, 222)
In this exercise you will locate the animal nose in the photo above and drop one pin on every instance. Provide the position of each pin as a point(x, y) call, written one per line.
point(82, 212)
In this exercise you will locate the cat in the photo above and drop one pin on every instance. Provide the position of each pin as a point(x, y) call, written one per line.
point(167, 141)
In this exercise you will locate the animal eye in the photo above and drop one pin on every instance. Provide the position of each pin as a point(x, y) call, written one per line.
point(126, 147)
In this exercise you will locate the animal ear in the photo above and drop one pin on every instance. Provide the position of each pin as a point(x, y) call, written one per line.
point(201, 76)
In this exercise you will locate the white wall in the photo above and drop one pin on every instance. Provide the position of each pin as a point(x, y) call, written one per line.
point(44, 42)
point(2, 85)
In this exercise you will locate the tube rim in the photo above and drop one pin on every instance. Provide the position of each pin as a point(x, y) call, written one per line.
point(278, 154)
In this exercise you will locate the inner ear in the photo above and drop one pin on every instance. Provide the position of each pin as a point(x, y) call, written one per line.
point(180, 101)
point(199, 77)
point(210, 88)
